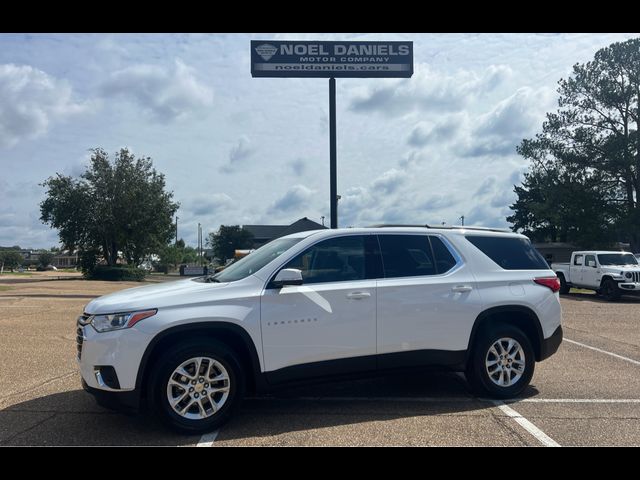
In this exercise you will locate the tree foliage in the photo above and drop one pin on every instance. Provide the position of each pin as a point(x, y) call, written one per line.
point(227, 239)
point(45, 258)
point(10, 259)
point(118, 206)
point(584, 182)
point(174, 255)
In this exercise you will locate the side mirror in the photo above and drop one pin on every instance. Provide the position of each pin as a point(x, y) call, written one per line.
point(288, 276)
point(592, 264)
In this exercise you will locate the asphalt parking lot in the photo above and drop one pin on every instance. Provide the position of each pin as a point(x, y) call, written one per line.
point(586, 394)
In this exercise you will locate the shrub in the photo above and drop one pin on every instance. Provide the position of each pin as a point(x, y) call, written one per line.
point(116, 273)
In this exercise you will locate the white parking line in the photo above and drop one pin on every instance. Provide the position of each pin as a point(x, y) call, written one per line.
point(542, 437)
point(575, 400)
point(207, 439)
point(630, 360)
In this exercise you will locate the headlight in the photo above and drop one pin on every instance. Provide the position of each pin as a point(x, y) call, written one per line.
point(117, 321)
point(628, 274)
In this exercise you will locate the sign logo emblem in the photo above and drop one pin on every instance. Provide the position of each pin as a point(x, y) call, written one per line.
point(266, 51)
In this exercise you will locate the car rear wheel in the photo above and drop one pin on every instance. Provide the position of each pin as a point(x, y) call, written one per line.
point(502, 362)
point(195, 387)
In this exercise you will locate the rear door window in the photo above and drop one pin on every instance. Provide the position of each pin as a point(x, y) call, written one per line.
point(444, 260)
point(510, 253)
point(406, 256)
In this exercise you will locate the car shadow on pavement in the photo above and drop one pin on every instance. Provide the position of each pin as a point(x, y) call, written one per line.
point(591, 297)
point(74, 418)
point(50, 295)
point(350, 403)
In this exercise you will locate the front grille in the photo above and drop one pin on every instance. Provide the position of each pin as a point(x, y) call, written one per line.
point(79, 340)
point(82, 321)
point(636, 277)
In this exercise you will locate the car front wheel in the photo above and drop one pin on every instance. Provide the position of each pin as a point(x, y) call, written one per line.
point(195, 387)
point(610, 290)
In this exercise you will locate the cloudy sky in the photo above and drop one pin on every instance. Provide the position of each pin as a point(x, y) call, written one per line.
point(243, 150)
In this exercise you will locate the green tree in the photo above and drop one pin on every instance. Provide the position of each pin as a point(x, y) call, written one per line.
point(45, 259)
point(10, 259)
point(586, 161)
point(170, 255)
point(227, 239)
point(189, 255)
point(118, 206)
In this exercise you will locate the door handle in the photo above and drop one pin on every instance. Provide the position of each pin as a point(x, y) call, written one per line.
point(462, 288)
point(358, 295)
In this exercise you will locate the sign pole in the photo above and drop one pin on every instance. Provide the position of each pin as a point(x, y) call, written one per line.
point(333, 187)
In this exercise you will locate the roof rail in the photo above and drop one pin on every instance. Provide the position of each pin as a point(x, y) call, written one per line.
point(447, 227)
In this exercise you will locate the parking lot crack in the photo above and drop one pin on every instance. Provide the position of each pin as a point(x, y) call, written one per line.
point(508, 428)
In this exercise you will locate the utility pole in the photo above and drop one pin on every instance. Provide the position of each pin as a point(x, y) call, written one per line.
point(462, 219)
point(177, 229)
point(322, 217)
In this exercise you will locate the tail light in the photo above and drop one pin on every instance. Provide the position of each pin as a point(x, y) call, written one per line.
point(551, 282)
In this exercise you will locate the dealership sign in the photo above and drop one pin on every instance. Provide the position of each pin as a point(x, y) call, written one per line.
point(271, 58)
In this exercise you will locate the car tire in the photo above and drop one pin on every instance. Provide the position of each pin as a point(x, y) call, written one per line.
point(209, 402)
point(485, 362)
point(564, 288)
point(609, 290)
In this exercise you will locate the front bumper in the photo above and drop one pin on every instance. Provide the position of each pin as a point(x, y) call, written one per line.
point(129, 401)
point(550, 345)
point(629, 286)
point(120, 351)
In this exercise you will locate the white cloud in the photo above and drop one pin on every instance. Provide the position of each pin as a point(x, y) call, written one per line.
point(389, 181)
point(439, 202)
point(375, 202)
point(208, 204)
point(297, 197)
point(429, 90)
point(486, 187)
point(518, 116)
point(166, 93)
point(30, 102)
point(429, 133)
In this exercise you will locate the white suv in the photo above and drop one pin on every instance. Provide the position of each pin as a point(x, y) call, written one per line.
point(320, 304)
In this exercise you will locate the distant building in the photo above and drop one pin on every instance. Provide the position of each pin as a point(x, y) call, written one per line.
point(265, 233)
point(29, 254)
point(555, 251)
point(65, 259)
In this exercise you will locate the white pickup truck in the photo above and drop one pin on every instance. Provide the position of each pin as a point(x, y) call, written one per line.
point(608, 273)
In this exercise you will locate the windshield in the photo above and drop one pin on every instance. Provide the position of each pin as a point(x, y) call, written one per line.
point(617, 259)
point(255, 260)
